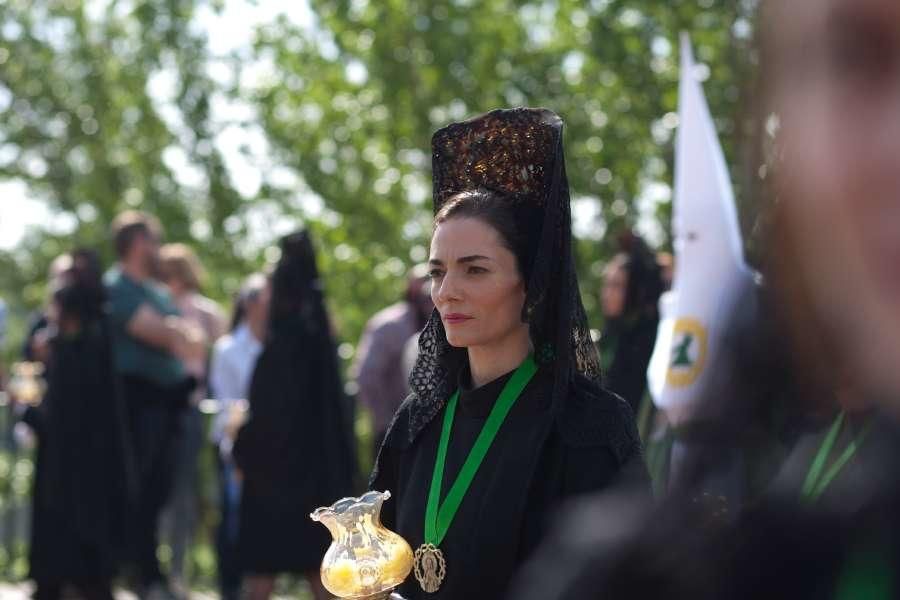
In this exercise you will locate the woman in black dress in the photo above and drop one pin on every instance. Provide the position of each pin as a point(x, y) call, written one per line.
point(632, 285)
point(295, 450)
point(507, 418)
point(83, 476)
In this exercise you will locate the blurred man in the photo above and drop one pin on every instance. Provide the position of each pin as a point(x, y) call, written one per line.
point(151, 344)
point(379, 369)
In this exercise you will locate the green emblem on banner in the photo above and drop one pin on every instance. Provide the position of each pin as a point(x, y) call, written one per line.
point(689, 347)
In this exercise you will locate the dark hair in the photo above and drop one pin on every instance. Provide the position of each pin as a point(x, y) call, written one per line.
point(250, 290)
point(82, 296)
point(645, 283)
point(506, 219)
point(296, 288)
point(131, 224)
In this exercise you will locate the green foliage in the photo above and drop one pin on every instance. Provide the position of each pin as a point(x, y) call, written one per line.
point(357, 98)
point(349, 108)
point(82, 129)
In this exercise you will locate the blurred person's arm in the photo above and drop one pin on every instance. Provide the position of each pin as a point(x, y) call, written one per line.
point(372, 364)
point(218, 323)
point(194, 343)
point(169, 333)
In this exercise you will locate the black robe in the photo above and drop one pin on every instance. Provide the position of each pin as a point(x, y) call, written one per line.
point(851, 487)
point(846, 545)
point(83, 475)
point(533, 465)
point(294, 451)
point(626, 373)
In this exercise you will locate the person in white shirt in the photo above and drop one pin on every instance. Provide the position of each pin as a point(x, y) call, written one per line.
point(231, 369)
point(234, 355)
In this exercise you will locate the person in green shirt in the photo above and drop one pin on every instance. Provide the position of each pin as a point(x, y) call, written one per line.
point(151, 343)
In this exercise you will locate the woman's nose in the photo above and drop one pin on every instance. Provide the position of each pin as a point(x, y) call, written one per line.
point(447, 290)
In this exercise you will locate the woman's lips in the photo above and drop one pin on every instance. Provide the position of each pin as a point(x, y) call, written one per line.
point(456, 318)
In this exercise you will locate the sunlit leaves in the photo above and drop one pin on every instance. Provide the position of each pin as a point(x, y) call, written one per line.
point(109, 105)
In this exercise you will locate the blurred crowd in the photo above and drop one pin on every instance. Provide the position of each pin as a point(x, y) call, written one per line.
point(130, 355)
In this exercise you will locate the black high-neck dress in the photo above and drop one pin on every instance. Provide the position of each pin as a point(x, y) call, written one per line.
point(84, 477)
point(294, 451)
point(533, 465)
point(627, 345)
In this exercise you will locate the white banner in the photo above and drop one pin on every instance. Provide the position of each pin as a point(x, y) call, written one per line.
point(710, 273)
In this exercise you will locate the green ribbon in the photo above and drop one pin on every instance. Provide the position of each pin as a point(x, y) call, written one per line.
point(439, 518)
point(816, 483)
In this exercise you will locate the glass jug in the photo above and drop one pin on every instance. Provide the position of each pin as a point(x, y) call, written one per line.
point(365, 559)
point(27, 385)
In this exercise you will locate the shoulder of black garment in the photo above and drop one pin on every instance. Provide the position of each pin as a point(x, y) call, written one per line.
point(591, 417)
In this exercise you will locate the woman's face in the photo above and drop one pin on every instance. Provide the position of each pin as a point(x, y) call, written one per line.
point(615, 288)
point(475, 284)
point(258, 308)
point(168, 276)
point(837, 96)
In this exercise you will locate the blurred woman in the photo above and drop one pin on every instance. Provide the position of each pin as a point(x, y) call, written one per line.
point(83, 480)
point(231, 367)
point(181, 271)
point(632, 285)
point(295, 450)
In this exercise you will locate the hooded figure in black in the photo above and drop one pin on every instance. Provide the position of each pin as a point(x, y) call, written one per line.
point(503, 174)
point(295, 450)
point(83, 479)
point(632, 318)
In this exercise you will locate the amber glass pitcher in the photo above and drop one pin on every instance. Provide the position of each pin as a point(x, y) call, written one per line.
point(365, 559)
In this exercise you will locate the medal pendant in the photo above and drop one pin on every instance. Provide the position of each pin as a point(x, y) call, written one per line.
point(429, 567)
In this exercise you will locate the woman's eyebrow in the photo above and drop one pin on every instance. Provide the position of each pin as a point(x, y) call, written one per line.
point(472, 258)
point(462, 260)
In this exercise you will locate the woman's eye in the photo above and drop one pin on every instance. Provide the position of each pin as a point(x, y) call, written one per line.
point(476, 270)
point(435, 274)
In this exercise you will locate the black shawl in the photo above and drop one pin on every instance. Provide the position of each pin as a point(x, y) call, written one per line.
point(295, 450)
point(84, 476)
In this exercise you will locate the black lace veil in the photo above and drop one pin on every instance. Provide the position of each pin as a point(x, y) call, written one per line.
point(518, 154)
point(296, 447)
point(296, 287)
